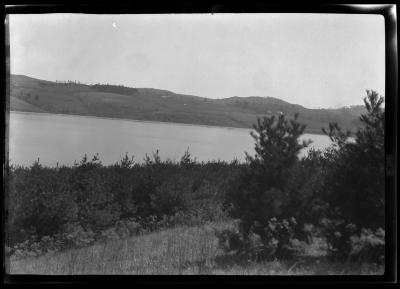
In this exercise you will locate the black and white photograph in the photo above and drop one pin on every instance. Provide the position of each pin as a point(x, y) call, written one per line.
point(196, 144)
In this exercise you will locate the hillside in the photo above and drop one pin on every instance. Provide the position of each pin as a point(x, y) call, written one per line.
point(30, 94)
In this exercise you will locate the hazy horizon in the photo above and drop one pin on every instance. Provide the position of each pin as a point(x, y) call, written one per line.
point(315, 60)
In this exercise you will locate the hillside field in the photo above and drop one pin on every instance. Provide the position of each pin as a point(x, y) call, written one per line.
point(30, 94)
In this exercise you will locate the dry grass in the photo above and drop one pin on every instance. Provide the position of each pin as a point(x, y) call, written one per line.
point(183, 250)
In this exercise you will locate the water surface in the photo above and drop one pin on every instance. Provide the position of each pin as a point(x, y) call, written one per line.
point(65, 139)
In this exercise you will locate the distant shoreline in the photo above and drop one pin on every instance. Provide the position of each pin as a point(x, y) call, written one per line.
point(139, 120)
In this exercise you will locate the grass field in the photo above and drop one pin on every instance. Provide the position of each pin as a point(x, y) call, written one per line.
point(177, 251)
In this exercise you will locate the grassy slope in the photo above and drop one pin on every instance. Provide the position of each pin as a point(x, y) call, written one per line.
point(181, 250)
point(21, 105)
point(29, 94)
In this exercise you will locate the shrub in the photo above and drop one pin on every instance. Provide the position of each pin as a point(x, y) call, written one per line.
point(120, 184)
point(40, 202)
point(187, 160)
point(354, 186)
point(75, 235)
point(368, 246)
point(261, 193)
point(277, 241)
point(97, 208)
point(232, 241)
point(171, 196)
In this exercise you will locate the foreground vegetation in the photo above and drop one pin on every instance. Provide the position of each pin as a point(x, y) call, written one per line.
point(65, 206)
point(273, 210)
point(338, 193)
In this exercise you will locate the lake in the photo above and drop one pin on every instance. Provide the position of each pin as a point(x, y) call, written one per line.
point(65, 139)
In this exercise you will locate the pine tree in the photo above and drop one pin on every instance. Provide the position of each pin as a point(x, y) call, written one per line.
point(260, 197)
point(355, 184)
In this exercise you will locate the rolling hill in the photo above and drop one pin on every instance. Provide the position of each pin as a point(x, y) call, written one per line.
point(34, 95)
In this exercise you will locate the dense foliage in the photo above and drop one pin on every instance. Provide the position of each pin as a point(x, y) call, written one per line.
point(90, 197)
point(337, 194)
point(354, 188)
point(263, 198)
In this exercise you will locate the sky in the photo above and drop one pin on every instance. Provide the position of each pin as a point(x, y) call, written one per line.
point(315, 60)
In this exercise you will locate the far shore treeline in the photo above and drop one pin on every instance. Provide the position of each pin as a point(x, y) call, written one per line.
point(278, 200)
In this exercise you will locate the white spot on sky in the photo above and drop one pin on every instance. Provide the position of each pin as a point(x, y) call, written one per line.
point(114, 24)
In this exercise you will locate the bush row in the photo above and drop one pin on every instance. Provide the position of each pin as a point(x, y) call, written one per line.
point(45, 202)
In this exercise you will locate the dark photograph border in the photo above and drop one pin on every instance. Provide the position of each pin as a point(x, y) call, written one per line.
point(391, 94)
